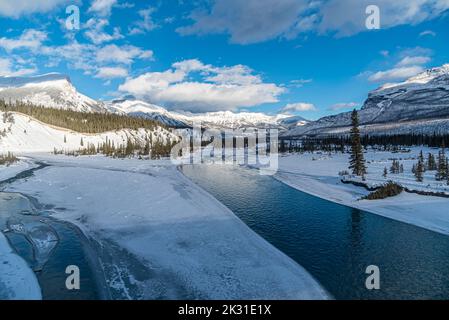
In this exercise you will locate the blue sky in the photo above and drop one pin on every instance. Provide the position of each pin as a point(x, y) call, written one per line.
point(311, 58)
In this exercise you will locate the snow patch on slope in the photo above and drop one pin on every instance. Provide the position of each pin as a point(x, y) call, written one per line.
point(29, 135)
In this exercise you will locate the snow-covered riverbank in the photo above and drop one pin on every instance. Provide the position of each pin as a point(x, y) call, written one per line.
point(17, 280)
point(317, 174)
point(162, 237)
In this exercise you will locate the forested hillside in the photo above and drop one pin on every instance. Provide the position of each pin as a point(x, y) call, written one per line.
point(80, 121)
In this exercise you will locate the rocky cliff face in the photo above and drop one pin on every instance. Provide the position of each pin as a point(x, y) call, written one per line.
point(417, 100)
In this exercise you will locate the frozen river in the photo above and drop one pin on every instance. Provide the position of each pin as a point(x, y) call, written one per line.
point(49, 246)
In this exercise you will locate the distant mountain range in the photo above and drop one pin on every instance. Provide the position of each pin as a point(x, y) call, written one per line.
point(221, 119)
point(418, 105)
point(56, 91)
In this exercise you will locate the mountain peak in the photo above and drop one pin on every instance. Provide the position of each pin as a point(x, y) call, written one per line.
point(53, 90)
point(420, 79)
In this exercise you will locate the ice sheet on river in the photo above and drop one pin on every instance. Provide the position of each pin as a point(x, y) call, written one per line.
point(161, 237)
point(18, 216)
point(17, 280)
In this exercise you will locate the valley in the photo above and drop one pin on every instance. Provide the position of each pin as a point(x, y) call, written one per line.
point(104, 169)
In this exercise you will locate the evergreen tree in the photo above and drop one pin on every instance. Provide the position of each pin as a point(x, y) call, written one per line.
point(447, 175)
point(431, 163)
point(419, 169)
point(146, 149)
point(421, 159)
point(385, 172)
point(442, 169)
point(447, 169)
point(82, 142)
point(393, 167)
point(396, 167)
point(357, 160)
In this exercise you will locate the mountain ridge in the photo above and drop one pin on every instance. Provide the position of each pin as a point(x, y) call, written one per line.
point(56, 90)
point(218, 119)
point(424, 97)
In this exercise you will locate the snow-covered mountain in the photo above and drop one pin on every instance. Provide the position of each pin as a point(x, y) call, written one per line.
point(219, 119)
point(414, 104)
point(50, 90)
point(56, 91)
point(135, 108)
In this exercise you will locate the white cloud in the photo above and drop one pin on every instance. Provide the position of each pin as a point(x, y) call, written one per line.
point(17, 8)
point(397, 73)
point(220, 88)
point(29, 39)
point(111, 73)
point(298, 83)
point(246, 21)
point(96, 33)
point(6, 69)
point(30, 46)
point(343, 105)
point(428, 33)
point(236, 75)
point(102, 7)
point(408, 61)
point(348, 17)
point(146, 24)
point(299, 107)
point(252, 21)
point(124, 54)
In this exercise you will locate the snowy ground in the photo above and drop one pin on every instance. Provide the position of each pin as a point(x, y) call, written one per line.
point(162, 237)
point(27, 134)
point(317, 174)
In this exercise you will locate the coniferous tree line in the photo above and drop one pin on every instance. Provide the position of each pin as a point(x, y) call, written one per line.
point(393, 143)
point(92, 123)
point(7, 159)
point(396, 167)
point(442, 166)
point(439, 165)
point(151, 149)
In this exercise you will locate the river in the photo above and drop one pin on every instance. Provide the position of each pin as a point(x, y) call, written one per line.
point(333, 242)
